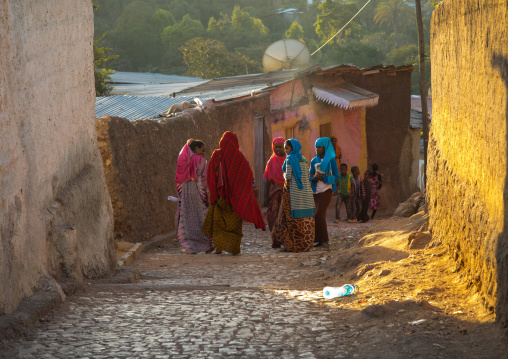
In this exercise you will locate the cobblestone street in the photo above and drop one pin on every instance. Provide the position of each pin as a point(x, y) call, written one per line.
point(197, 306)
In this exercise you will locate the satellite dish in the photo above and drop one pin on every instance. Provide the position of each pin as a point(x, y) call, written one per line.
point(286, 54)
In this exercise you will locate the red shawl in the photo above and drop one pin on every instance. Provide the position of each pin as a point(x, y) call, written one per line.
point(230, 177)
point(273, 171)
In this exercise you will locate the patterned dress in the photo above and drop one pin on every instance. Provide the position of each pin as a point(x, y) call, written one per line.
point(192, 211)
point(375, 198)
point(224, 226)
point(295, 234)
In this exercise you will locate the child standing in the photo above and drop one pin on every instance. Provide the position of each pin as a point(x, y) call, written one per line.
point(357, 195)
point(367, 192)
point(377, 183)
point(344, 183)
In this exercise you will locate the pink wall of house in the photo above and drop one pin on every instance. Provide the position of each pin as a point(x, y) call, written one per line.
point(281, 96)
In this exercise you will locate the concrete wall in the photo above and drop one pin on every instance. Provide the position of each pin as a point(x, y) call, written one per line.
point(467, 182)
point(55, 212)
point(140, 160)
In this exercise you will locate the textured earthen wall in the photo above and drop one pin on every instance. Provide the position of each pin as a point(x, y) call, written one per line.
point(140, 160)
point(55, 211)
point(467, 182)
point(389, 138)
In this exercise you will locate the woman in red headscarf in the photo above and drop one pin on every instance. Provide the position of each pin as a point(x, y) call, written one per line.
point(274, 178)
point(231, 196)
point(191, 185)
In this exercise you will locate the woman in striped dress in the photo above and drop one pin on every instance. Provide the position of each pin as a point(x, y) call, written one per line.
point(294, 227)
point(191, 185)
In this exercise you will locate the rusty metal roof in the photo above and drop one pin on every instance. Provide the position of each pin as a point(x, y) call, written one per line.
point(266, 79)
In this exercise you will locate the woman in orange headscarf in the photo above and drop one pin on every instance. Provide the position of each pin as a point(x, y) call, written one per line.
point(231, 196)
point(274, 178)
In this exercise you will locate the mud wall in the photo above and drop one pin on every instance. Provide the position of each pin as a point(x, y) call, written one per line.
point(55, 212)
point(388, 135)
point(140, 160)
point(467, 182)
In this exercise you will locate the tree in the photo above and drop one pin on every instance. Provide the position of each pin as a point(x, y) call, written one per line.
point(101, 56)
point(210, 59)
point(396, 14)
point(240, 30)
point(333, 16)
point(174, 36)
point(404, 55)
point(295, 31)
point(162, 19)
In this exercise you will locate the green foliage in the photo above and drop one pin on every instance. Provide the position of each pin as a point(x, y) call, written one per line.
point(148, 34)
point(174, 36)
point(240, 29)
point(404, 55)
point(210, 59)
point(396, 14)
point(295, 31)
point(333, 16)
point(101, 57)
point(162, 19)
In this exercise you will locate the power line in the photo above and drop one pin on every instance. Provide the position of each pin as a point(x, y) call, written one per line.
point(331, 38)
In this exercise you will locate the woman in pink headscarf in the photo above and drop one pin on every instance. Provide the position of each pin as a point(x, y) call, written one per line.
point(274, 178)
point(193, 202)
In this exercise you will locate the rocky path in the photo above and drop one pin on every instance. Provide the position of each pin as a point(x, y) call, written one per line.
point(268, 304)
point(196, 306)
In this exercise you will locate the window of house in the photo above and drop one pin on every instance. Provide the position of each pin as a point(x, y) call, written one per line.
point(290, 132)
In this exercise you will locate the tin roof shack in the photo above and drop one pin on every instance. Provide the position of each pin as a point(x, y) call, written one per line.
point(368, 110)
point(140, 158)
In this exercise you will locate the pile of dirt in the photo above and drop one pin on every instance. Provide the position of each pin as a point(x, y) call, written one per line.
point(412, 299)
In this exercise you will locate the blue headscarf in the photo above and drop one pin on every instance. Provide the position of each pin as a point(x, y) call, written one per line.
point(326, 165)
point(294, 161)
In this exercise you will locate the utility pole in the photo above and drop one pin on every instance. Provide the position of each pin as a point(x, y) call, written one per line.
point(423, 87)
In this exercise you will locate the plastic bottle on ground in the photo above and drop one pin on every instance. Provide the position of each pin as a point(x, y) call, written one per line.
point(333, 292)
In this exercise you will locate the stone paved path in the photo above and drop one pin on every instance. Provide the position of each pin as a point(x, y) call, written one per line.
point(199, 306)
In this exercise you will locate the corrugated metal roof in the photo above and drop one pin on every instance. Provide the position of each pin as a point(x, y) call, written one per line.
point(134, 107)
point(267, 79)
point(346, 95)
point(150, 84)
point(416, 104)
point(149, 78)
point(415, 121)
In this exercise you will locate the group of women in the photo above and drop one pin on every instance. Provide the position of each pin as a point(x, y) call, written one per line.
point(204, 225)
point(297, 196)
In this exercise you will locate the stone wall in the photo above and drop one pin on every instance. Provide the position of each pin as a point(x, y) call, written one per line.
point(467, 181)
point(140, 159)
point(55, 211)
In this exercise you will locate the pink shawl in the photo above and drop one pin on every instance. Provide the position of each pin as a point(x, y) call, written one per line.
point(186, 164)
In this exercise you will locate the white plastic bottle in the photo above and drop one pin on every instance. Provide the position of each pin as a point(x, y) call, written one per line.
point(333, 292)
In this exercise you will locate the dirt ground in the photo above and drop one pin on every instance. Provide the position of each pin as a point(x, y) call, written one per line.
point(411, 303)
point(399, 286)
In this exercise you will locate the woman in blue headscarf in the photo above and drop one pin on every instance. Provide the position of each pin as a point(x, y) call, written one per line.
point(323, 173)
point(294, 226)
